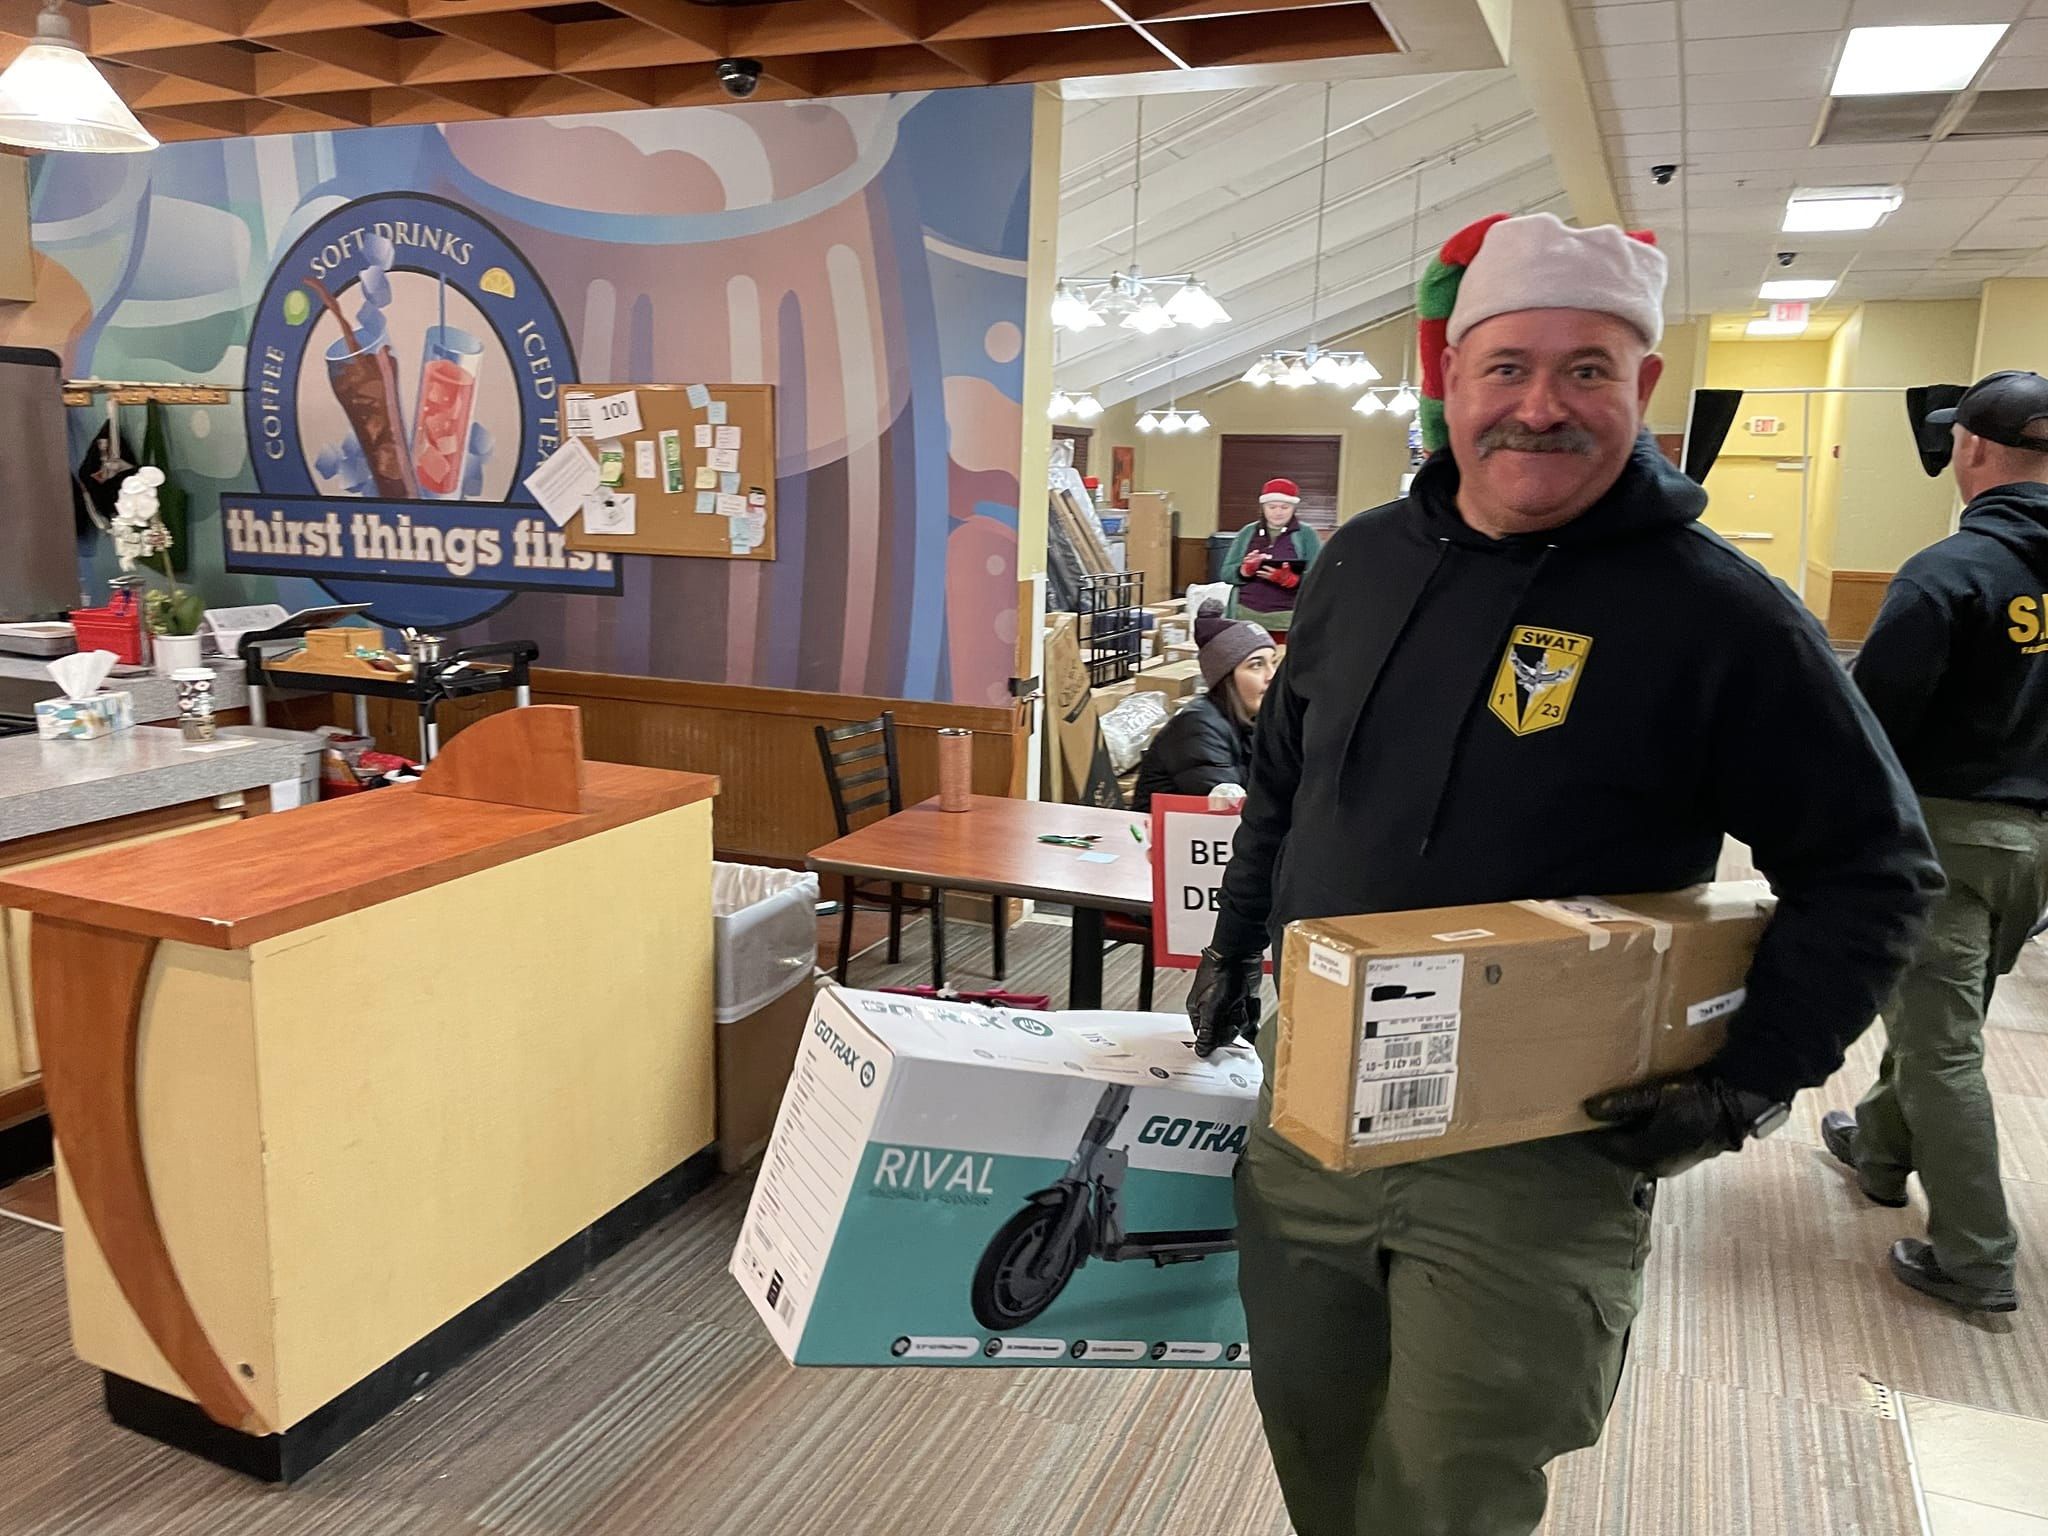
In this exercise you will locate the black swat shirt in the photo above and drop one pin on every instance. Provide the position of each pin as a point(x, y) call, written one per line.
point(1583, 712)
point(1956, 666)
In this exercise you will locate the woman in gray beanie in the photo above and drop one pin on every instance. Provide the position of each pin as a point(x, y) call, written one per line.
point(1209, 743)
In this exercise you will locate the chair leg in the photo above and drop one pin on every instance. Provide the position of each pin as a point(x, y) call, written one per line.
point(845, 932)
point(895, 924)
point(938, 937)
point(999, 933)
point(1145, 977)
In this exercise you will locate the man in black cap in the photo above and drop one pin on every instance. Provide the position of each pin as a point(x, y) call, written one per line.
point(1956, 670)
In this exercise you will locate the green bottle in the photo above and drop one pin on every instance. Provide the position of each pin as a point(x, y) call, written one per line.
point(170, 496)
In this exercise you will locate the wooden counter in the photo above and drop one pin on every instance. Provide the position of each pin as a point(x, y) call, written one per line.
point(342, 1094)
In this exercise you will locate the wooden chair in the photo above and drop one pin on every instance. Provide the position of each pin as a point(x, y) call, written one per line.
point(862, 773)
point(1124, 928)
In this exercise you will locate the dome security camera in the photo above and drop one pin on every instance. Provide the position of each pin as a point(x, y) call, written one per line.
point(1786, 258)
point(1662, 174)
point(739, 78)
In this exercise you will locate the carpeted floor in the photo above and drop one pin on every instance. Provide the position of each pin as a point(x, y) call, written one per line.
point(647, 1400)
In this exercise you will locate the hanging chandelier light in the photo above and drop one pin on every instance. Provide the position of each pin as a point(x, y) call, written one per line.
point(52, 97)
point(1133, 300)
point(1173, 419)
point(1081, 405)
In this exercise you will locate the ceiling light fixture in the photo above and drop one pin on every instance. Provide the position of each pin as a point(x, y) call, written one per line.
point(1782, 289)
point(1893, 61)
point(1815, 210)
point(1779, 328)
point(1136, 302)
point(52, 97)
point(1368, 404)
point(1149, 422)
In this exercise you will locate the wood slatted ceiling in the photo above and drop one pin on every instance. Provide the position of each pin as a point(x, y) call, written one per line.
point(213, 68)
point(1249, 460)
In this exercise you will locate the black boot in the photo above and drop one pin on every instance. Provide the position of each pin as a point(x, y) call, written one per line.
point(1914, 1263)
point(1838, 1135)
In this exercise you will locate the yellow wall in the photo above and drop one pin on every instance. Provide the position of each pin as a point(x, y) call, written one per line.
point(1684, 366)
point(1830, 421)
point(1887, 507)
point(1374, 452)
point(1766, 365)
point(2012, 328)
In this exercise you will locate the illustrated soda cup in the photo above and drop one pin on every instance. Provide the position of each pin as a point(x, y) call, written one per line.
point(447, 403)
point(365, 382)
point(195, 702)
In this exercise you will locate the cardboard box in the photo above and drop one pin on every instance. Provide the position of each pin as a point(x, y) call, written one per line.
point(1175, 679)
point(86, 719)
point(1086, 776)
point(925, 1152)
point(1176, 631)
point(1410, 1035)
point(1185, 650)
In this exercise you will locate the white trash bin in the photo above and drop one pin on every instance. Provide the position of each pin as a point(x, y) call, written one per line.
point(764, 935)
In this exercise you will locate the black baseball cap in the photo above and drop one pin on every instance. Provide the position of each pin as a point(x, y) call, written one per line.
point(1998, 407)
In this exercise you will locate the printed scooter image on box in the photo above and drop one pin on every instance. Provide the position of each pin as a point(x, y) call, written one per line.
point(953, 1185)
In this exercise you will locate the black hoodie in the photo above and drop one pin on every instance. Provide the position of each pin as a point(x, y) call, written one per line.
point(1956, 665)
point(1583, 712)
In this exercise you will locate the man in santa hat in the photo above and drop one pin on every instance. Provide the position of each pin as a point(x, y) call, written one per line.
point(1534, 676)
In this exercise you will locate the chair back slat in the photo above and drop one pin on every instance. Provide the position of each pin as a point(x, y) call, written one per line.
point(844, 771)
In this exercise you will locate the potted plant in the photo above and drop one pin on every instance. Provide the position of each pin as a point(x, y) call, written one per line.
point(171, 613)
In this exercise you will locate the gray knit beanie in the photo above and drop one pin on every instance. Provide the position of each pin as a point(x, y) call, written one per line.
point(1225, 642)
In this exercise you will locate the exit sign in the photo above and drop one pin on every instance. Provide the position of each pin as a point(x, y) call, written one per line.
point(1795, 312)
point(1764, 426)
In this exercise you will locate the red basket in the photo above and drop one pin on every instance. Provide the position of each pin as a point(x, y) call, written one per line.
point(116, 627)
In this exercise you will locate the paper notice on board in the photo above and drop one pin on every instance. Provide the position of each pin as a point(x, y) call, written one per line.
point(707, 478)
point(576, 415)
point(707, 502)
point(615, 415)
point(698, 396)
point(643, 461)
point(672, 462)
point(727, 437)
point(723, 459)
point(729, 483)
point(564, 478)
point(732, 506)
point(703, 433)
point(715, 413)
point(608, 513)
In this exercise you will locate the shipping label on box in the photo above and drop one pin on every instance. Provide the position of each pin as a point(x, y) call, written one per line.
point(957, 1185)
point(1407, 1035)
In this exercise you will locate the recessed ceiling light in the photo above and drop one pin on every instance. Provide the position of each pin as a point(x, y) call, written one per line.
point(1813, 210)
point(1779, 289)
point(1891, 61)
point(1775, 328)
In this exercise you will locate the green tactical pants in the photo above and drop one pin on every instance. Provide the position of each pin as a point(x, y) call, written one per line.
point(1427, 1338)
point(1929, 1111)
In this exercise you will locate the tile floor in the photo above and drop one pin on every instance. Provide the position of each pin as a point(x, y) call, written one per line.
point(1983, 1473)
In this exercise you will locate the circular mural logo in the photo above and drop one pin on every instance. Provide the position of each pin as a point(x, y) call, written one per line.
point(404, 378)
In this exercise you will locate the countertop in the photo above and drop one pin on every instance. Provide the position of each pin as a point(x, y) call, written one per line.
point(47, 786)
point(154, 697)
point(229, 887)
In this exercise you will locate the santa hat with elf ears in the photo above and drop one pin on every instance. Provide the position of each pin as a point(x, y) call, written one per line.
point(1502, 264)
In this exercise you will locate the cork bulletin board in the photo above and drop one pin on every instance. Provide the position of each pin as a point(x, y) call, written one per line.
point(679, 424)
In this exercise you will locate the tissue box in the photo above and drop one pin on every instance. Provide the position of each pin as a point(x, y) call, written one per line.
point(97, 714)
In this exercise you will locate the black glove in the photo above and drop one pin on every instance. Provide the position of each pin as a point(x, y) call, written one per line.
point(1664, 1128)
point(1223, 1003)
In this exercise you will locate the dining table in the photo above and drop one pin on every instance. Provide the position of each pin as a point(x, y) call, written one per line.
point(996, 848)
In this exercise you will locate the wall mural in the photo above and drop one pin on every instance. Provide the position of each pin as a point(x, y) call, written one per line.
point(404, 305)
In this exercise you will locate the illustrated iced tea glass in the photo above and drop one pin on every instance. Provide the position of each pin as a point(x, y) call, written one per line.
point(447, 403)
point(365, 381)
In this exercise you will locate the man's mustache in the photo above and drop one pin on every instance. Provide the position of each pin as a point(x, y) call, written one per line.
point(1515, 436)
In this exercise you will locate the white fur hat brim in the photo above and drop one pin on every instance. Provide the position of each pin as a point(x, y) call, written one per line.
point(1538, 261)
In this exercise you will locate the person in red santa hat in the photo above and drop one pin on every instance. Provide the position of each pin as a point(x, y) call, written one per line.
point(1268, 559)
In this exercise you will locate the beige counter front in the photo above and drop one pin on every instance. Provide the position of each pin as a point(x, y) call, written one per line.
point(399, 1065)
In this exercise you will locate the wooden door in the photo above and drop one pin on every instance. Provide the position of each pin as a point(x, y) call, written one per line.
point(1249, 460)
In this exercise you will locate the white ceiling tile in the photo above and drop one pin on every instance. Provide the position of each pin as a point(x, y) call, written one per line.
point(1634, 62)
point(2028, 40)
point(1714, 115)
point(2022, 206)
point(1751, 18)
point(1804, 83)
point(1640, 120)
point(1908, 13)
point(1631, 95)
point(1742, 55)
point(1648, 148)
point(2017, 74)
point(1736, 140)
point(1940, 168)
point(1614, 26)
point(1966, 151)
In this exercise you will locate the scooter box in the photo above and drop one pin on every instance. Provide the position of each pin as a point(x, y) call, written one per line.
point(957, 1185)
